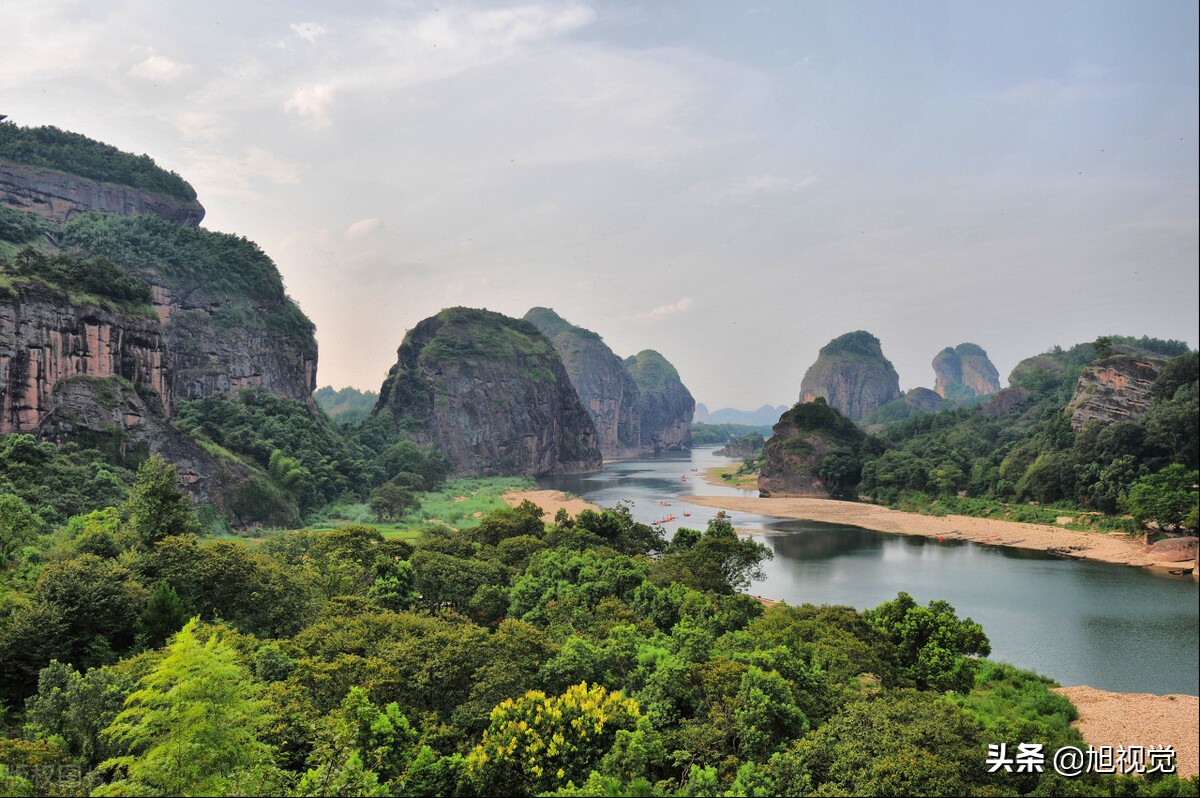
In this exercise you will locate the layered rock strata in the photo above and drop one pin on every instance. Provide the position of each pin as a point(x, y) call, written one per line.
point(44, 339)
point(60, 196)
point(1116, 388)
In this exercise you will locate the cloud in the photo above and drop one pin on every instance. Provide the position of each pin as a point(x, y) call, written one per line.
point(362, 228)
point(479, 31)
point(309, 31)
point(232, 176)
point(198, 125)
point(754, 185)
point(662, 311)
point(313, 101)
point(157, 68)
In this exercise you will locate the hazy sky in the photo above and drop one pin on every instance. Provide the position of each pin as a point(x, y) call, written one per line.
point(730, 184)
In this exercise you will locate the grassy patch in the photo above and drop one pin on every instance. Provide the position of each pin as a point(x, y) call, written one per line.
point(733, 477)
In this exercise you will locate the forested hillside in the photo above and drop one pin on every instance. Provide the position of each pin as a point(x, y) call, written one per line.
point(515, 658)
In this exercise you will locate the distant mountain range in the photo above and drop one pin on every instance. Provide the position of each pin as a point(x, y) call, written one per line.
point(765, 415)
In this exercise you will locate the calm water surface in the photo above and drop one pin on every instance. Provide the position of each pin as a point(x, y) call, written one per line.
point(1108, 626)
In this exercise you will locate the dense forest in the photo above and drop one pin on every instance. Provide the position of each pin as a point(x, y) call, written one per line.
point(584, 656)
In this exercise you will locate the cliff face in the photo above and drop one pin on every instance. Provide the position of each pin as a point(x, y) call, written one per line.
point(109, 413)
point(87, 373)
point(812, 452)
point(665, 405)
point(964, 372)
point(214, 358)
point(605, 388)
point(84, 359)
point(61, 197)
point(45, 339)
point(852, 375)
point(1117, 388)
point(491, 393)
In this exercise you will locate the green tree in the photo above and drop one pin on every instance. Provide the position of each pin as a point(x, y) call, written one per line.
point(390, 502)
point(718, 560)
point(192, 727)
point(1167, 499)
point(18, 527)
point(360, 749)
point(163, 616)
point(933, 646)
point(157, 507)
point(76, 709)
point(902, 743)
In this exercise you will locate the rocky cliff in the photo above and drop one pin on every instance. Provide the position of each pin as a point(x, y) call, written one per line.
point(606, 389)
point(964, 372)
point(813, 451)
point(1115, 388)
point(852, 375)
point(60, 196)
point(665, 405)
point(97, 376)
point(221, 302)
point(491, 393)
point(101, 348)
point(45, 339)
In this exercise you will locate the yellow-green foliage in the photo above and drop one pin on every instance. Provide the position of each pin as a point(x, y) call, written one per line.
point(537, 743)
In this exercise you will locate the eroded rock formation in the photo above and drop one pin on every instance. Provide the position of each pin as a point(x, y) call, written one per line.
point(964, 372)
point(852, 375)
point(1116, 388)
point(795, 456)
point(491, 393)
point(666, 405)
point(605, 388)
point(44, 339)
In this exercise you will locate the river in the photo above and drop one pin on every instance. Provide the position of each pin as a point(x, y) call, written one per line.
point(1108, 626)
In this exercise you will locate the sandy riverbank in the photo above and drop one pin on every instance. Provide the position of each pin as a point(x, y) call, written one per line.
point(1105, 547)
point(551, 501)
point(1133, 719)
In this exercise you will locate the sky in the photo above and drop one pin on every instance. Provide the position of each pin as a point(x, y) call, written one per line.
point(731, 184)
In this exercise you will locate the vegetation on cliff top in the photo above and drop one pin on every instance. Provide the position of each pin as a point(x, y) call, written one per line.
point(94, 281)
point(859, 343)
point(551, 324)
point(476, 337)
point(651, 372)
point(52, 148)
point(224, 267)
